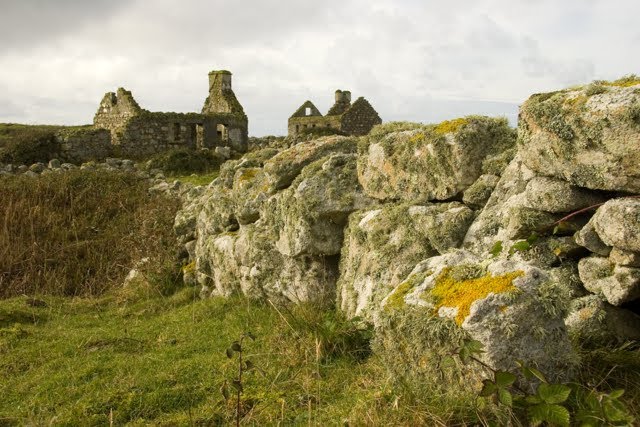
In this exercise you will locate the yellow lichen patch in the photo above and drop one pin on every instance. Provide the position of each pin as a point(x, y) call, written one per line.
point(418, 137)
point(396, 299)
point(586, 313)
point(450, 126)
point(188, 268)
point(248, 174)
point(461, 294)
point(626, 81)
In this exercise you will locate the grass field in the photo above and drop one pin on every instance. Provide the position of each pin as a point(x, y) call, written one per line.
point(161, 360)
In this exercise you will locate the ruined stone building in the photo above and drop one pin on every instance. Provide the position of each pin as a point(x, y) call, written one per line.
point(352, 119)
point(138, 132)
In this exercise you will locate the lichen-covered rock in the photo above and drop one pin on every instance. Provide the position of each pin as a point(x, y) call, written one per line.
point(515, 309)
point(618, 284)
point(283, 168)
point(625, 258)
point(247, 262)
point(479, 192)
point(433, 162)
point(250, 190)
point(383, 245)
point(588, 138)
point(594, 322)
point(281, 245)
point(617, 222)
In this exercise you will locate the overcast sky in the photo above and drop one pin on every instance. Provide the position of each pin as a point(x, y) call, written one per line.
point(417, 60)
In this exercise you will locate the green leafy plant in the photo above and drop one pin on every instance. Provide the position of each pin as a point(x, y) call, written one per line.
point(244, 365)
point(548, 403)
point(524, 245)
point(496, 248)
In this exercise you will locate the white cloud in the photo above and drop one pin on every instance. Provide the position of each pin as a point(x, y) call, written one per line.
point(413, 59)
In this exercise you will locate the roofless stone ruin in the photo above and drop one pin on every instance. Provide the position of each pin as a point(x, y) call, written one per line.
point(136, 132)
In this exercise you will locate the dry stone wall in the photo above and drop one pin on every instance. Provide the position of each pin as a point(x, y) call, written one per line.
point(435, 233)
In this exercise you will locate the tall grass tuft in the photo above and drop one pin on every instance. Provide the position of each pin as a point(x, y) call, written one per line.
point(79, 232)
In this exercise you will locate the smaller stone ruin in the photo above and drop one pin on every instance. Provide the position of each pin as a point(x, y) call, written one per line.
point(355, 119)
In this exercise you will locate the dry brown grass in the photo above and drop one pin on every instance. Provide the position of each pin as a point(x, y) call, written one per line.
point(79, 232)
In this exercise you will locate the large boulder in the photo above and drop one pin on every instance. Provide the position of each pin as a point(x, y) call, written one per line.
point(314, 210)
point(588, 136)
point(432, 162)
point(515, 309)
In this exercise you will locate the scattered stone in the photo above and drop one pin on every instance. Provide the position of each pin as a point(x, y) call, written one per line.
point(37, 167)
point(127, 164)
point(54, 164)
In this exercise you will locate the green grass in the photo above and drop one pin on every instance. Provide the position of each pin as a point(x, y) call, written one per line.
point(161, 360)
point(196, 179)
point(138, 358)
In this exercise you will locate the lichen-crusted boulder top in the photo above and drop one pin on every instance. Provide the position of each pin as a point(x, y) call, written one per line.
point(589, 136)
point(512, 307)
point(282, 169)
point(406, 161)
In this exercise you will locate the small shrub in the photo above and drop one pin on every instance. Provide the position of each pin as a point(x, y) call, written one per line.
point(313, 133)
point(334, 334)
point(542, 402)
point(30, 145)
point(183, 161)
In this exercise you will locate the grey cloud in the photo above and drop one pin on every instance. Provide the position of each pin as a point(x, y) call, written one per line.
point(24, 23)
